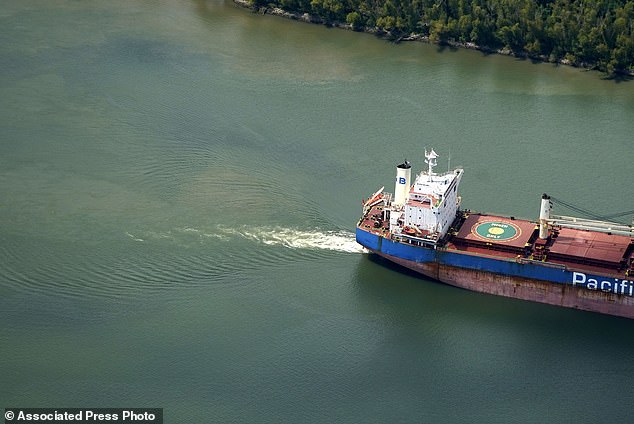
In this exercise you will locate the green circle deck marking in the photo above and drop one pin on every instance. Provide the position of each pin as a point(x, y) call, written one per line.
point(496, 231)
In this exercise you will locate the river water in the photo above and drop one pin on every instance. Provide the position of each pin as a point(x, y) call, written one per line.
point(179, 185)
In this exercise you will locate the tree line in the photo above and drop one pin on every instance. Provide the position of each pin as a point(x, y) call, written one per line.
point(591, 33)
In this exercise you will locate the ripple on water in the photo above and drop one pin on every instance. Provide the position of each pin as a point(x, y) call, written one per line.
point(155, 261)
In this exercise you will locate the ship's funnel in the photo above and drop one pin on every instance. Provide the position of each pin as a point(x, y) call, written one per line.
point(544, 214)
point(403, 181)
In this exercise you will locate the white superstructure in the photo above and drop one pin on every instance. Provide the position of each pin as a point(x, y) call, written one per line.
point(431, 203)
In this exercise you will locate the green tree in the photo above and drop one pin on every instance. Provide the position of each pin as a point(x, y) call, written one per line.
point(594, 32)
point(356, 20)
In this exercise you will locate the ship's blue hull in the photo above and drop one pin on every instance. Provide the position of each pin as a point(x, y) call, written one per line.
point(530, 280)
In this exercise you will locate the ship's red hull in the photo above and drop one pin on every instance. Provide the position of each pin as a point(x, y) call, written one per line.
point(523, 288)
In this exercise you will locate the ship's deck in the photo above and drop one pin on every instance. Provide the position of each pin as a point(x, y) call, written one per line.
point(506, 237)
point(577, 249)
point(373, 221)
point(488, 231)
point(599, 247)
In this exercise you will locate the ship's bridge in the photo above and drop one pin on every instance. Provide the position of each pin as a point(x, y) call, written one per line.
point(432, 201)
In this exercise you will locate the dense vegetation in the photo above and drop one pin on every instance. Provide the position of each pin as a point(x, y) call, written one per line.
point(592, 33)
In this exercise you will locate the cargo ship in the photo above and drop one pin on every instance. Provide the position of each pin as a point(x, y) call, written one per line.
point(586, 264)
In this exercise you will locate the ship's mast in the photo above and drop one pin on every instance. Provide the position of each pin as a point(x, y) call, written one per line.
point(430, 161)
point(544, 216)
point(449, 161)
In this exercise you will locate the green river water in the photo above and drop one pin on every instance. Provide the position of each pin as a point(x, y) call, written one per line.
point(179, 187)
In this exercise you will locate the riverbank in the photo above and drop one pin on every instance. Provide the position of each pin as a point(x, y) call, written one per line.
point(397, 38)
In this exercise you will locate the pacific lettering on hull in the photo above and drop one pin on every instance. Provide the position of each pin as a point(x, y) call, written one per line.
point(616, 285)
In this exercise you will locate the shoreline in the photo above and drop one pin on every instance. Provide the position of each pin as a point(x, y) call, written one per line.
point(386, 35)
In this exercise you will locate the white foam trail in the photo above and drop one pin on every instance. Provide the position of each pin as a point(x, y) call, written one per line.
point(340, 241)
point(133, 237)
